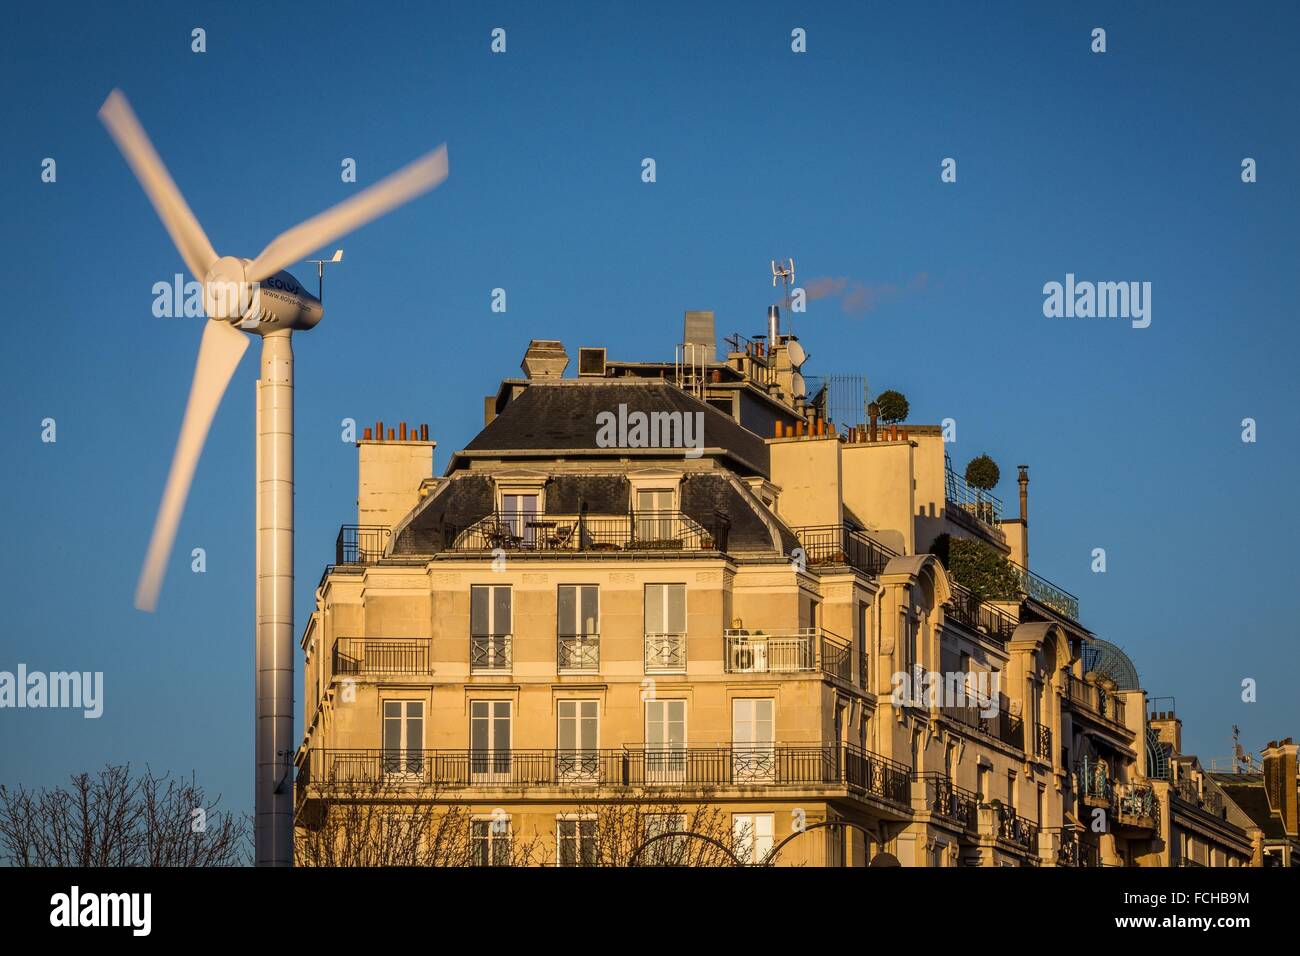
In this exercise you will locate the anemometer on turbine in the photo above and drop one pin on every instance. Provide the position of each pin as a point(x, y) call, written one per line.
point(257, 296)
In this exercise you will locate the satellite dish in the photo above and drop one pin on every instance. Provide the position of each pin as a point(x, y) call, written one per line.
point(796, 353)
point(797, 384)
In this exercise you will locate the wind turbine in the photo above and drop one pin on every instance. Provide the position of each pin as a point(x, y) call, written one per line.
point(260, 298)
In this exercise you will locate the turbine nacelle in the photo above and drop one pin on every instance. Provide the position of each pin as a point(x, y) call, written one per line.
point(277, 302)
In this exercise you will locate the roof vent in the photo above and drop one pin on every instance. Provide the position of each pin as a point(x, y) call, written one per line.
point(545, 358)
point(698, 332)
point(591, 361)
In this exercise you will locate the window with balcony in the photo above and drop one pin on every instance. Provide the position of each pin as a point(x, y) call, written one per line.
point(753, 835)
point(490, 740)
point(519, 514)
point(490, 841)
point(578, 647)
point(489, 628)
point(403, 737)
point(654, 514)
point(577, 736)
point(753, 749)
point(575, 840)
point(665, 628)
point(665, 741)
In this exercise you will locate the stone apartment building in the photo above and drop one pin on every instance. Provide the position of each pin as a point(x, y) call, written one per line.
point(677, 585)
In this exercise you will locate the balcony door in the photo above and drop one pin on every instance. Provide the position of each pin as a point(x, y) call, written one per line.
point(665, 741)
point(654, 514)
point(579, 627)
point(665, 628)
point(577, 735)
point(753, 750)
point(403, 753)
point(489, 627)
point(518, 514)
point(489, 741)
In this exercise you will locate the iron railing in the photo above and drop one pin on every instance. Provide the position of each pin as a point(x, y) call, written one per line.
point(577, 652)
point(665, 653)
point(382, 655)
point(491, 652)
point(1003, 725)
point(360, 544)
point(1211, 801)
point(840, 544)
point(787, 651)
point(1015, 829)
point(980, 616)
point(1075, 851)
point(667, 767)
point(634, 531)
point(1095, 784)
point(1043, 742)
point(974, 501)
point(945, 799)
point(1138, 803)
point(1045, 592)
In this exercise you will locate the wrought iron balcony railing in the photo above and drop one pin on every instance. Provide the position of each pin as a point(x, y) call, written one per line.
point(1045, 592)
point(1075, 851)
point(360, 544)
point(945, 799)
point(381, 656)
point(1094, 782)
point(839, 544)
point(979, 616)
point(577, 652)
point(635, 531)
point(1138, 803)
point(787, 651)
point(1043, 742)
point(1003, 725)
point(359, 773)
point(1015, 829)
point(973, 501)
point(491, 652)
point(1211, 801)
point(665, 653)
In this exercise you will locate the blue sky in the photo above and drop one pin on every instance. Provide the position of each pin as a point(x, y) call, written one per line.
point(1123, 166)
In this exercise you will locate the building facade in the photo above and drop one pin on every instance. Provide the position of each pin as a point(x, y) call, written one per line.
point(668, 612)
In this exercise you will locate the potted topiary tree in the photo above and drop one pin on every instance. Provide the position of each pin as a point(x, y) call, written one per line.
point(983, 475)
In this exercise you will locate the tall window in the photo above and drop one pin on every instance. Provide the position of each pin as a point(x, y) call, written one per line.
point(669, 851)
point(489, 739)
point(489, 627)
point(579, 627)
point(403, 754)
point(665, 627)
point(752, 738)
point(654, 514)
point(753, 835)
point(665, 740)
point(576, 841)
point(490, 842)
point(577, 735)
point(520, 515)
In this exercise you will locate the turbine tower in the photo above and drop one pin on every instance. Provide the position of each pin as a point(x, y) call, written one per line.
point(260, 298)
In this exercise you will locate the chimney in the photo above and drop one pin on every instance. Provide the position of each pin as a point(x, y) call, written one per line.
point(1168, 728)
point(1024, 513)
point(698, 331)
point(1280, 783)
point(873, 412)
point(545, 359)
point(773, 325)
point(391, 471)
point(489, 409)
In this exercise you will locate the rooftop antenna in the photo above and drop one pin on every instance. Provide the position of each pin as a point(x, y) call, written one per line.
point(320, 272)
point(784, 275)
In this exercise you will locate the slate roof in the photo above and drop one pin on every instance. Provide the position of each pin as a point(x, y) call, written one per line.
point(561, 416)
point(1253, 801)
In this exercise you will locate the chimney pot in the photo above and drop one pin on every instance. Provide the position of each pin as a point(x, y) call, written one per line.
point(366, 434)
point(402, 431)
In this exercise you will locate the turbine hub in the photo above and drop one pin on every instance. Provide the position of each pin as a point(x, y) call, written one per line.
point(227, 295)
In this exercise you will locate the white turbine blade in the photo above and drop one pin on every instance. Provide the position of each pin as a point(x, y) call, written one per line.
point(300, 241)
point(131, 139)
point(219, 353)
